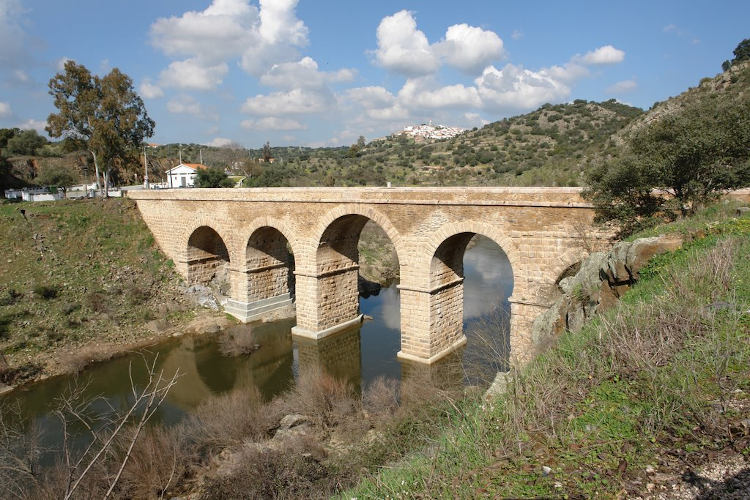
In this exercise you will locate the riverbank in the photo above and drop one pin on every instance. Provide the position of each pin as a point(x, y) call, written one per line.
point(650, 399)
point(83, 281)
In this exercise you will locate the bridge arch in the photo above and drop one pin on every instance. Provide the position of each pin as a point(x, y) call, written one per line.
point(328, 220)
point(436, 295)
point(331, 277)
point(207, 258)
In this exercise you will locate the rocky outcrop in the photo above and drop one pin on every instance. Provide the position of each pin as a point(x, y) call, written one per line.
point(599, 283)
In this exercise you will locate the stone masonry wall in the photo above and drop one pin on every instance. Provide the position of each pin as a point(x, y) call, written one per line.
point(541, 230)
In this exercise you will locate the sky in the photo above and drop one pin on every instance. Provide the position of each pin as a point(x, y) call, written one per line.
point(324, 72)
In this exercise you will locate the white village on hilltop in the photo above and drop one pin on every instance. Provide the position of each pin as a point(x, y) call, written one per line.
point(430, 131)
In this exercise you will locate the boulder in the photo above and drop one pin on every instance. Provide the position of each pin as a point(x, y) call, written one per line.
point(600, 282)
point(203, 296)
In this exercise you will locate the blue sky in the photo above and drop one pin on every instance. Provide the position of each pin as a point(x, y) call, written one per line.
point(324, 72)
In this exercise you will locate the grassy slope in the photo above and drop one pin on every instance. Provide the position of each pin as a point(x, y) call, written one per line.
point(664, 372)
point(99, 261)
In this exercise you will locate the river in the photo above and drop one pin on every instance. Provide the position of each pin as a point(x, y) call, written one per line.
point(359, 355)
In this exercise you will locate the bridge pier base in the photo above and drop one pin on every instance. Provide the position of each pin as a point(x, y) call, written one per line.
point(299, 331)
point(522, 317)
point(250, 311)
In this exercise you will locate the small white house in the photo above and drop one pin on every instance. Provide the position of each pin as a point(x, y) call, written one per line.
point(183, 175)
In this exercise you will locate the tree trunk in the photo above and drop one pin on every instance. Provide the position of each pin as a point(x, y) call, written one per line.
point(96, 170)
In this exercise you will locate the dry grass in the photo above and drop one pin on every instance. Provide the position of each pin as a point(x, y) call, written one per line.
point(226, 420)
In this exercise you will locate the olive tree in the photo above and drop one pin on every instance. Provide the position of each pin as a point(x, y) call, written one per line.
point(104, 115)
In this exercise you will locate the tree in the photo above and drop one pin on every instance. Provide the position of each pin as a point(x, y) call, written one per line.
point(7, 134)
point(57, 175)
point(25, 142)
point(212, 178)
point(741, 53)
point(102, 114)
point(266, 153)
point(676, 164)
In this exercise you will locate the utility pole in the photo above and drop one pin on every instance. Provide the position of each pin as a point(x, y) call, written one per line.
point(200, 152)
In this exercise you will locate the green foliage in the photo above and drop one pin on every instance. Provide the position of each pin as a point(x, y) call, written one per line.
point(7, 134)
point(212, 178)
point(25, 142)
point(57, 175)
point(676, 164)
point(742, 51)
point(103, 115)
point(267, 155)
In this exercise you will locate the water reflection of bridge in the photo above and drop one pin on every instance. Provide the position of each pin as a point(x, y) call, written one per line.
point(205, 372)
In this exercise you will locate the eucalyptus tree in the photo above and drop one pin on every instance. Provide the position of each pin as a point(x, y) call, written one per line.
point(103, 115)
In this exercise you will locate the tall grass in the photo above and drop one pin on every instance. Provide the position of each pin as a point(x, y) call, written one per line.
point(603, 402)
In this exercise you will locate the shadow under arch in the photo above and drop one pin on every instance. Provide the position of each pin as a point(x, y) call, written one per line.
point(269, 262)
point(477, 310)
point(207, 257)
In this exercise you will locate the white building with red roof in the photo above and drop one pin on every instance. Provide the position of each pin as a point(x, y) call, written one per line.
point(183, 175)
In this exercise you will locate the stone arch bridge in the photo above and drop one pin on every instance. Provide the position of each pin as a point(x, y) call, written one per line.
point(278, 245)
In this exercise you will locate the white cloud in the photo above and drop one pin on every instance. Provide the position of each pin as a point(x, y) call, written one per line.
point(420, 93)
point(150, 91)
point(31, 123)
point(191, 74)
point(622, 87)
point(514, 87)
point(273, 123)
point(61, 63)
point(475, 119)
point(371, 97)
point(392, 113)
point(403, 48)
point(20, 76)
point(186, 105)
point(469, 48)
point(279, 24)
point(606, 54)
point(221, 31)
point(516, 35)
point(302, 73)
point(220, 142)
point(567, 73)
point(227, 30)
point(295, 101)
point(5, 110)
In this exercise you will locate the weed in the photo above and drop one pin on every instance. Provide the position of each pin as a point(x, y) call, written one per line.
point(10, 297)
point(46, 292)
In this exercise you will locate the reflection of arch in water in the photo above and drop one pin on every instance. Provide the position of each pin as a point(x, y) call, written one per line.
point(447, 373)
point(207, 257)
point(338, 355)
point(205, 372)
